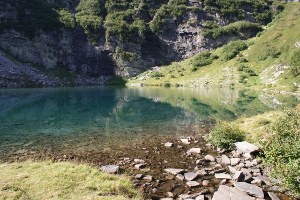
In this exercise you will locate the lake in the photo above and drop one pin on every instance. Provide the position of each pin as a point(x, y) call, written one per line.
point(61, 118)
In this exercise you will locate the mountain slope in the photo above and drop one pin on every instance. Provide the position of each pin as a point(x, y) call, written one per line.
point(263, 61)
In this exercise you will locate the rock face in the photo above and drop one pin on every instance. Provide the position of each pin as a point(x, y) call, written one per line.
point(72, 49)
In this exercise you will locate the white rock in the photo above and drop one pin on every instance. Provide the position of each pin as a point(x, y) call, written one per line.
point(232, 169)
point(185, 141)
point(138, 161)
point(169, 144)
point(192, 184)
point(246, 147)
point(200, 197)
point(139, 166)
point(222, 176)
point(209, 158)
point(190, 176)
point(238, 176)
point(225, 160)
point(234, 161)
point(194, 151)
point(180, 177)
point(174, 171)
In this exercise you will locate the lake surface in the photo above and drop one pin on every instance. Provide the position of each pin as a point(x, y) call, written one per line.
point(49, 117)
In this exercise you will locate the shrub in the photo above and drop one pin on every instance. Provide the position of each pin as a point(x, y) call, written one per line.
point(295, 63)
point(203, 59)
point(156, 74)
point(282, 152)
point(167, 84)
point(233, 49)
point(67, 18)
point(225, 134)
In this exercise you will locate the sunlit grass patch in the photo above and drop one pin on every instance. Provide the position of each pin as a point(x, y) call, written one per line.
point(48, 180)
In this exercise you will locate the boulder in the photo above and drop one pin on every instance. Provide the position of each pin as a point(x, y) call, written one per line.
point(250, 189)
point(112, 169)
point(246, 147)
point(229, 193)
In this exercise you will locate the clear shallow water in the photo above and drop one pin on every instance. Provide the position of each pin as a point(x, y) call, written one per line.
point(64, 114)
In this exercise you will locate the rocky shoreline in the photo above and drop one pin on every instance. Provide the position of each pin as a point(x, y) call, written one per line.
point(169, 167)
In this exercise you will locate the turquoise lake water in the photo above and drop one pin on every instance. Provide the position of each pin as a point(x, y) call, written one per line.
point(64, 114)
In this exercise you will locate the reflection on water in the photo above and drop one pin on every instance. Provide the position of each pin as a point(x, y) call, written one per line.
point(73, 112)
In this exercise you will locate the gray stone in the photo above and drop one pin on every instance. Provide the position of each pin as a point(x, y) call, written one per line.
point(238, 176)
point(247, 156)
point(225, 160)
point(174, 171)
point(112, 169)
point(201, 172)
point(140, 166)
point(194, 151)
point(246, 147)
point(273, 196)
point(180, 177)
point(209, 158)
point(169, 144)
point(250, 189)
point(264, 179)
point(230, 193)
point(222, 176)
point(205, 183)
point(184, 196)
point(234, 161)
point(170, 194)
point(190, 176)
point(192, 184)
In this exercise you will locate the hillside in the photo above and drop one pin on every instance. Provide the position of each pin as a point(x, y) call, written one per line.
point(271, 59)
point(98, 38)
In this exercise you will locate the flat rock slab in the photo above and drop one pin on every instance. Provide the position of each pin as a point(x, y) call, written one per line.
point(192, 184)
point(174, 171)
point(222, 176)
point(229, 193)
point(112, 169)
point(190, 176)
point(250, 189)
point(246, 147)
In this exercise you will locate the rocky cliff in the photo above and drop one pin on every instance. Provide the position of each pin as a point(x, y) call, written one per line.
point(112, 37)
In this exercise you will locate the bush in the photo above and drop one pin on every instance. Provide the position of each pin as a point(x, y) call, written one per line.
point(295, 63)
point(203, 59)
point(232, 49)
point(225, 135)
point(156, 75)
point(66, 18)
point(282, 152)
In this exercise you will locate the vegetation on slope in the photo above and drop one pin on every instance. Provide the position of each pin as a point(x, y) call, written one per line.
point(271, 59)
point(47, 180)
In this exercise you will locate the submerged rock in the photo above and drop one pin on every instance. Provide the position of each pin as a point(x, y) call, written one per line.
point(112, 169)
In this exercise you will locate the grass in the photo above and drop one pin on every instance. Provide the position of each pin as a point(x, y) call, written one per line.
point(274, 46)
point(48, 180)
